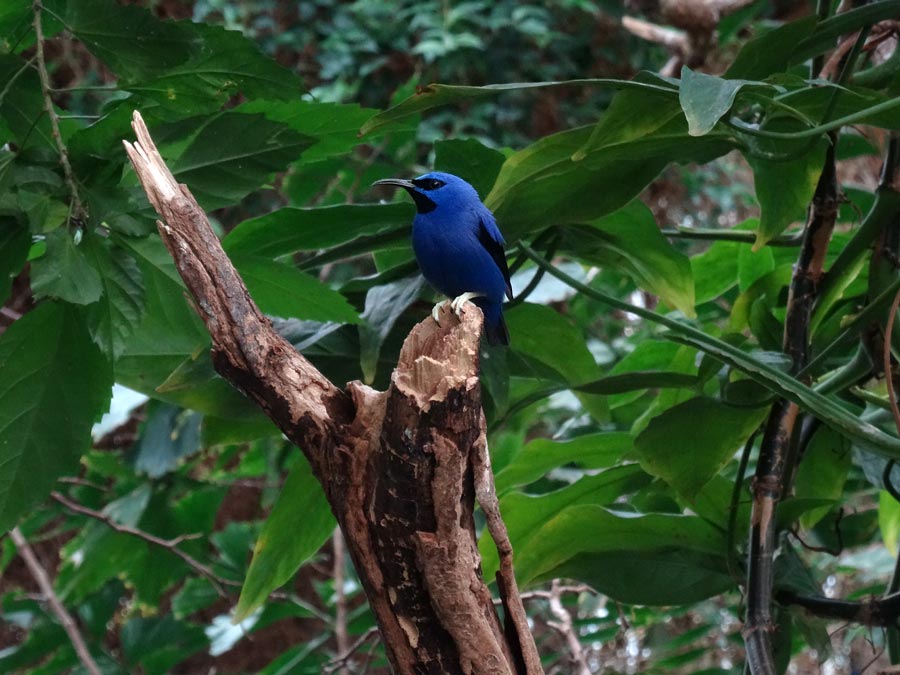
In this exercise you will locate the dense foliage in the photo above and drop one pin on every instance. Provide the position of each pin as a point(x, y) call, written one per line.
point(654, 225)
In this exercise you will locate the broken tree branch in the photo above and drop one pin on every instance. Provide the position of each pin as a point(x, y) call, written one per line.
point(397, 467)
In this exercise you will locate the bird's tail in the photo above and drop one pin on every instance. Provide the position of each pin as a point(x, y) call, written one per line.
point(496, 331)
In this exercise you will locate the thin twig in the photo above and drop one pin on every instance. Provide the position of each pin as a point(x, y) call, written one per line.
point(340, 602)
point(218, 582)
point(65, 619)
point(77, 208)
point(340, 662)
point(563, 625)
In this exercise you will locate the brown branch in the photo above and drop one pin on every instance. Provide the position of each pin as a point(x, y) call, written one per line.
point(777, 456)
point(171, 545)
point(65, 619)
point(396, 466)
point(77, 208)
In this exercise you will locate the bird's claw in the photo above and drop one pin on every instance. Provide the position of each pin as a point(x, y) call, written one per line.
point(436, 311)
point(457, 303)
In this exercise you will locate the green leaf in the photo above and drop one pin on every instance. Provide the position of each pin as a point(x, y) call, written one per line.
point(283, 290)
point(525, 514)
point(129, 39)
point(285, 542)
point(114, 318)
point(629, 239)
point(436, 95)
point(784, 190)
point(770, 52)
point(536, 458)
point(653, 578)
point(291, 229)
point(889, 520)
point(545, 335)
point(823, 472)
point(23, 106)
point(64, 272)
point(169, 333)
point(220, 174)
point(333, 125)
point(829, 411)
point(562, 537)
point(687, 454)
point(53, 383)
point(225, 63)
point(169, 435)
point(715, 271)
point(384, 306)
point(705, 99)
point(471, 160)
point(634, 141)
point(14, 244)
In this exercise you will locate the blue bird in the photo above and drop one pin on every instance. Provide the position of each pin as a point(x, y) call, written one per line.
point(458, 247)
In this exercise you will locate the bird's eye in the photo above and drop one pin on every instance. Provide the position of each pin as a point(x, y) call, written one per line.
point(428, 183)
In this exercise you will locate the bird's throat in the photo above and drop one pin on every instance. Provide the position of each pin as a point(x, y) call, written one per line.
point(423, 203)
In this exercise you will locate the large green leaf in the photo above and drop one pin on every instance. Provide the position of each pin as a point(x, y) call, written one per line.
point(297, 527)
point(129, 39)
point(22, 108)
point(629, 239)
point(536, 458)
point(687, 445)
point(525, 514)
point(290, 229)
point(548, 337)
point(64, 271)
point(770, 52)
point(14, 243)
point(436, 95)
point(586, 173)
point(225, 62)
point(115, 316)
point(650, 577)
point(222, 173)
point(384, 306)
point(54, 382)
point(169, 334)
point(562, 537)
point(285, 291)
point(469, 159)
point(333, 125)
point(823, 472)
point(784, 189)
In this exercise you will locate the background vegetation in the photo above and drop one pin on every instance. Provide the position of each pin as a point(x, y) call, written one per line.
point(654, 226)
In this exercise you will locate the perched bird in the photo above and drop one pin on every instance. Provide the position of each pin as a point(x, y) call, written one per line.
point(458, 247)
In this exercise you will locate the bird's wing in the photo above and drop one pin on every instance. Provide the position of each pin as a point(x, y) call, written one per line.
point(490, 237)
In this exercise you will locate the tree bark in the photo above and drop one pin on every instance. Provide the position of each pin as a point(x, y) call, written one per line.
point(401, 468)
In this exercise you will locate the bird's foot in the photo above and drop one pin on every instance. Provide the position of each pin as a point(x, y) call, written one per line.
point(436, 311)
point(457, 303)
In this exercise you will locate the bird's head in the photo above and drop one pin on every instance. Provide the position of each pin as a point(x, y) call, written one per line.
point(431, 190)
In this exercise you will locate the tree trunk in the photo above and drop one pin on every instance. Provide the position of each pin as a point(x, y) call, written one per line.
point(401, 468)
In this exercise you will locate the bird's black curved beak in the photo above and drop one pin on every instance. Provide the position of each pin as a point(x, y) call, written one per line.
point(399, 182)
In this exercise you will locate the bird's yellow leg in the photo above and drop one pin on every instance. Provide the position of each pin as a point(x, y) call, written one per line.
point(457, 303)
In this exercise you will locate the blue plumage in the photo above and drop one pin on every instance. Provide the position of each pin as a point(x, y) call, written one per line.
point(458, 245)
